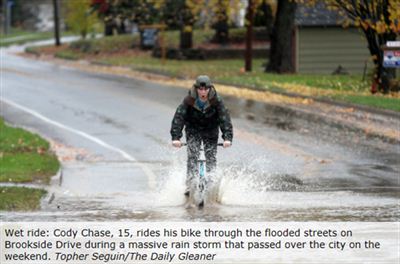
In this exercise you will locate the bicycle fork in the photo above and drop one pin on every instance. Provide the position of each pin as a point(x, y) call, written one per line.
point(202, 180)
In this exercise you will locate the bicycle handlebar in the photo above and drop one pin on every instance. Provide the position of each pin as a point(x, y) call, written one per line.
point(219, 144)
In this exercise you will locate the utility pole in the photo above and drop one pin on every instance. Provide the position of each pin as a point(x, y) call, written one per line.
point(249, 35)
point(6, 17)
point(56, 22)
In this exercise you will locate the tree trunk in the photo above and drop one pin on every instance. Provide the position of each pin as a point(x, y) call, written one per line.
point(382, 76)
point(108, 28)
point(221, 25)
point(186, 38)
point(56, 7)
point(281, 52)
point(249, 36)
point(221, 32)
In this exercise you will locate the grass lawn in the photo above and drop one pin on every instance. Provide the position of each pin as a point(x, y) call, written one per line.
point(24, 157)
point(117, 50)
point(18, 37)
point(20, 198)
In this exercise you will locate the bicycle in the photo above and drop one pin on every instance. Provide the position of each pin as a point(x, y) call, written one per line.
point(199, 186)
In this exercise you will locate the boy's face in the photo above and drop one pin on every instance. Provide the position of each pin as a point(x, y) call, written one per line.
point(203, 91)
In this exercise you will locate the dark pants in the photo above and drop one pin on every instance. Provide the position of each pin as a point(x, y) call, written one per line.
point(194, 139)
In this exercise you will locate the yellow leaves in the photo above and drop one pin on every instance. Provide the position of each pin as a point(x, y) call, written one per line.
point(395, 27)
point(346, 23)
point(357, 22)
point(364, 25)
point(380, 27)
point(394, 11)
point(41, 150)
point(187, 29)
point(307, 101)
point(78, 18)
point(346, 110)
point(369, 15)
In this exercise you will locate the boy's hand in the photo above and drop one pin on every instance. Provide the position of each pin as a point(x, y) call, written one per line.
point(176, 143)
point(227, 144)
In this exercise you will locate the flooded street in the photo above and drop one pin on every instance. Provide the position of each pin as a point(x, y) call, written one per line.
point(112, 137)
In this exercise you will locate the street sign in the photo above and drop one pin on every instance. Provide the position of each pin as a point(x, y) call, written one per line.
point(149, 36)
point(391, 58)
point(393, 43)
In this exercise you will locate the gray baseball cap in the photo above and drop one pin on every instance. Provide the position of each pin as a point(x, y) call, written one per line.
point(203, 80)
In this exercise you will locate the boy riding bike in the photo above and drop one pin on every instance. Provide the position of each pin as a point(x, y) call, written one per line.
point(202, 113)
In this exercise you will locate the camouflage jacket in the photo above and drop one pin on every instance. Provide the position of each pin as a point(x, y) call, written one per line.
point(213, 115)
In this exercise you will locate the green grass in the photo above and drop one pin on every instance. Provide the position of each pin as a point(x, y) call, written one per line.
point(28, 167)
point(371, 100)
point(105, 44)
point(20, 198)
point(67, 55)
point(25, 157)
point(20, 37)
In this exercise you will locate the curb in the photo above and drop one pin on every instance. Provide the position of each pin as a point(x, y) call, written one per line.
point(56, 180)
point(49, 197)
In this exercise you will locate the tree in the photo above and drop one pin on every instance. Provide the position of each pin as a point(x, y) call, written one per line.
point(114, 13)
point(249, 34)
point(264, 17)
point(56, 7)
point(379, 20)
point(280, 58)
point(78, 17)
point(221, 24)
point(186, 21)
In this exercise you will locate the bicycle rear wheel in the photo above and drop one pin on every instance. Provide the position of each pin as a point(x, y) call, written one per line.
point(199, 186)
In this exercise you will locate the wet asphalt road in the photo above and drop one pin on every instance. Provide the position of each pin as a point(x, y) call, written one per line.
point(112, 135)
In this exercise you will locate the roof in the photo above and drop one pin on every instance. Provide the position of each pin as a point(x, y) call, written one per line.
point(317, 15)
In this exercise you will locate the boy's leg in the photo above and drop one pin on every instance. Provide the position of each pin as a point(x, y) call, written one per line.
point(193, 150)
point(210, 150)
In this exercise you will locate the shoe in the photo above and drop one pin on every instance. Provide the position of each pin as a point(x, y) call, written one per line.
point(201, 204)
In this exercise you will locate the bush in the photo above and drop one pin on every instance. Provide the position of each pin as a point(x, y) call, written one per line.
point(78, 19)
point(85, 46)
point(67, 55)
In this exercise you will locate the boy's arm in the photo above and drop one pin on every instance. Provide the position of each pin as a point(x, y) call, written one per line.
point(225, 122)
point(178, 122)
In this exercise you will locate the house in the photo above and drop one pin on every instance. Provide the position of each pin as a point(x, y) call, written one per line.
point(30, 15)
point(322, 45)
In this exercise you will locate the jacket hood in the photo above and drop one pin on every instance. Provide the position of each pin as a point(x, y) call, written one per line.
point(191, 98)
point(211, 94)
